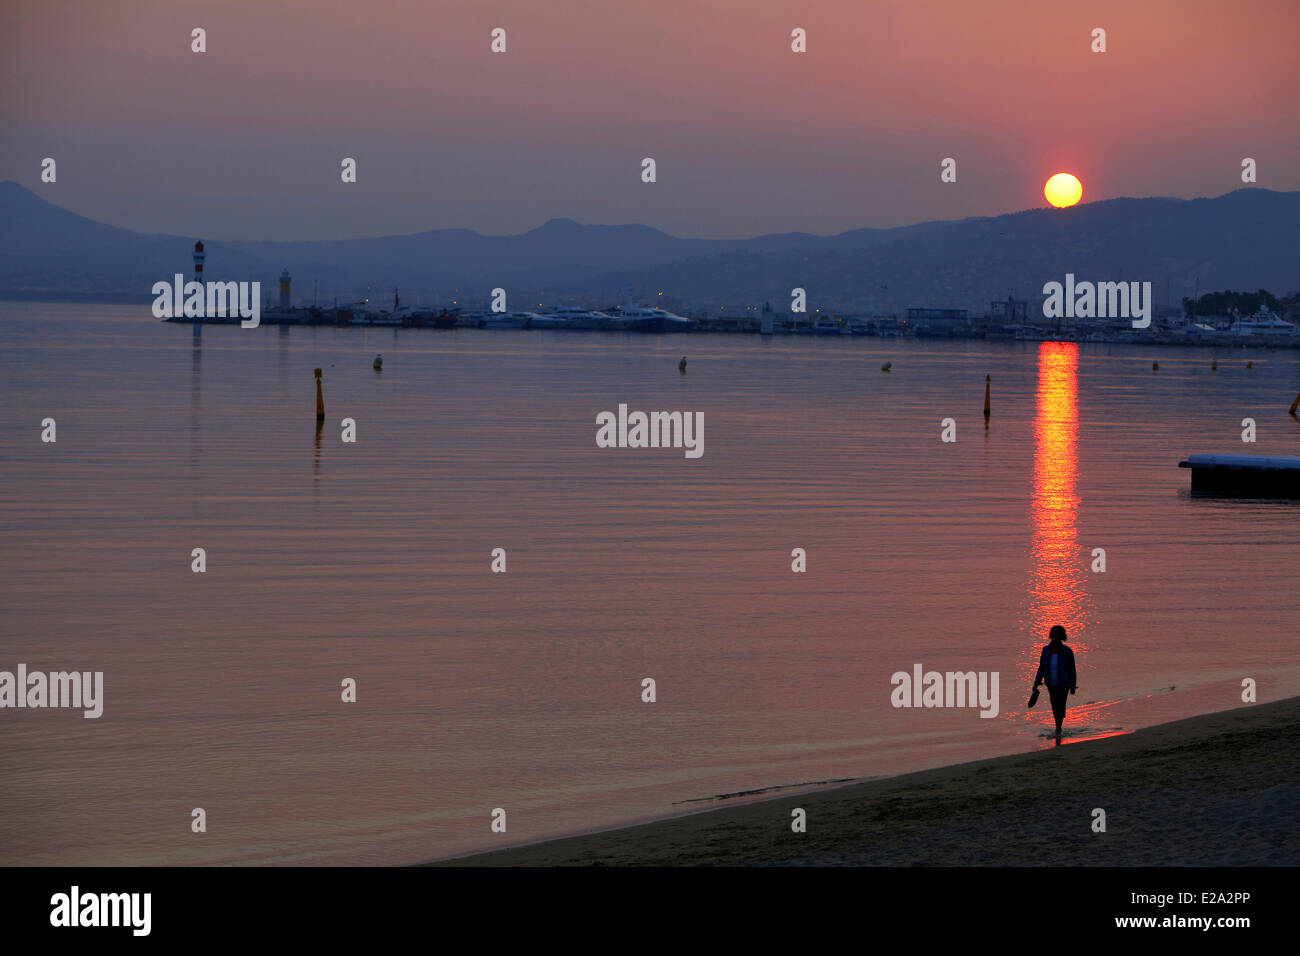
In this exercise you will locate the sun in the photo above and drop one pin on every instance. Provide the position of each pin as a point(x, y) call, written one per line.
point(1063, 190)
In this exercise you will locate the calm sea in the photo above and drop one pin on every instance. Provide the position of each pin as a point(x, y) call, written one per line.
point(523, 690)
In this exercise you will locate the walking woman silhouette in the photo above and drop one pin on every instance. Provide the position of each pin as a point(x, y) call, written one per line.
point(1056, 668)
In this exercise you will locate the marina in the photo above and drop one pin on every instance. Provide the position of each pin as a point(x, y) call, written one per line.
point(1266, 331)
point(1003, 321)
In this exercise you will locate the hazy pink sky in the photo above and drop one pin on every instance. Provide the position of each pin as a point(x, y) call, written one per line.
point(245, 141)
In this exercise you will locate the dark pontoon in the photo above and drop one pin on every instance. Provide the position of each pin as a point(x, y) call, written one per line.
point(1249, 476)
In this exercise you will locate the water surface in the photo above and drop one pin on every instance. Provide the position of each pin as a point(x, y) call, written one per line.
point(522, 690)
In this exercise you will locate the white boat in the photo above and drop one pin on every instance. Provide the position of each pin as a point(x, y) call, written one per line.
point(576, 317)
point(1263, 322)
point(641, 319)
point(506, 320)
point(547, 320)
point(365, 314)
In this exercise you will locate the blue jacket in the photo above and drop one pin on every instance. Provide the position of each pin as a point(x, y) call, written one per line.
point(1064, 667)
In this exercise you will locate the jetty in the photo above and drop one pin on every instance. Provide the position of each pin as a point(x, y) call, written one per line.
point(1246, 476)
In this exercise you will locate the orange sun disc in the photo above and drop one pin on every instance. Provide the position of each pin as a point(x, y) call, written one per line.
point(1063, 190)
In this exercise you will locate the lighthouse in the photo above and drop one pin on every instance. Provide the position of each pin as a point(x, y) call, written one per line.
point(285, 300)
point(199, 256)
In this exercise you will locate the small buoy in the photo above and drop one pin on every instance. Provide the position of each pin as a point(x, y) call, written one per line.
point(379, 363)
point(886, 366)
point(681, 366)
point(987, 407)
point(1250, 365)
point(1155, 366)
point(320, 400)
point(1214, 365)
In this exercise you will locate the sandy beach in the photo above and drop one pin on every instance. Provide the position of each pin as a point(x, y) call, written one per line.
point(1221, 789)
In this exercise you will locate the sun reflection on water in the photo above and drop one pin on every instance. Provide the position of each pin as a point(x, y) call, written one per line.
point(1057, 593)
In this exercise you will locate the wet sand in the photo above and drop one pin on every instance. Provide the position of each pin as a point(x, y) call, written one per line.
point(1221, 789)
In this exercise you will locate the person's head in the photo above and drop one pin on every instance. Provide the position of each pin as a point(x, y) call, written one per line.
point(1057, 633)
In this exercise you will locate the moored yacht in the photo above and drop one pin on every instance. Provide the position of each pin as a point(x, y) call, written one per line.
point(825, 325)
point(576, 317)
point(1263, 322)
point(506, 320)
point(640, 319)
point(546, 320)
point(364, 312)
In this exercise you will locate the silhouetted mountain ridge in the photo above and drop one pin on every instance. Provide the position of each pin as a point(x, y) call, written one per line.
point(1243, 239)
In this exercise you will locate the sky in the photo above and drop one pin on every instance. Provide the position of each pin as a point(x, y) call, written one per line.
point(245, 141)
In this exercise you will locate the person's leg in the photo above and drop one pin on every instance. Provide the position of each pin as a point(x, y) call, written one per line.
point(1058, 695)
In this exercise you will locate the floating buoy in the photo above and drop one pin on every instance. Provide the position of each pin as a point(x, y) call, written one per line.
point(986, 399)
point(320, 400)
point(1214, 365)
point(379, 363)
point(681, 366)
point(886, 366)
point(1250, 365)
point(1155, 366)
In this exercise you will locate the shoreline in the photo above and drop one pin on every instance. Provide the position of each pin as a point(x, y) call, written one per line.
point(707, 325)
point(1219, 789)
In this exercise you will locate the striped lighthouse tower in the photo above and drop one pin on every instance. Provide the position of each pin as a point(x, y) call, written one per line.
point(199, 256)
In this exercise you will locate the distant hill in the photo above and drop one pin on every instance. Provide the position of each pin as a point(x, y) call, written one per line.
point(46, 250)
point(1245, 239)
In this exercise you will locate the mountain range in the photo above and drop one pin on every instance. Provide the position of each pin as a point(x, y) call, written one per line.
point(1245, 239)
